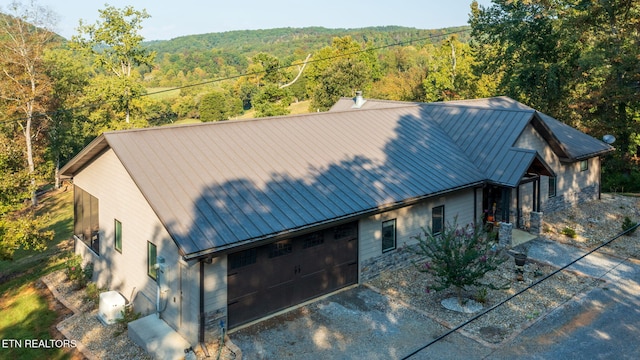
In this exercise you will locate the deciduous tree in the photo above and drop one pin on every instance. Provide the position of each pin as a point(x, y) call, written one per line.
point(116, 47)
point(525, 43)
point(25, 34)
point(346, 68)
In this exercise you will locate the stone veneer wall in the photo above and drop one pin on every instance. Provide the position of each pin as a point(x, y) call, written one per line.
point(569, 199)
point(536, 223)
point(391, 260)
point(212, 324)
point(505, 235)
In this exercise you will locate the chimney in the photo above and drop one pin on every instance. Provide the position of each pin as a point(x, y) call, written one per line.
point(358, 100)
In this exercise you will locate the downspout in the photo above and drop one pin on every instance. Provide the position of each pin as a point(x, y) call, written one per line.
point(600, 177)
point(518, 209)
point(475, 205)
point(201, 335)
point(538, 194)
point(203, 346)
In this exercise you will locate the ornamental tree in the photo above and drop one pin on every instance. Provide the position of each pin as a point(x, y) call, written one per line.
point(459, 256)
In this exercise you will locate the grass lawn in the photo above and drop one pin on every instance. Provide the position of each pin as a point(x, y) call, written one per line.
point(301, 107)
point(25, 305)
point(163, 93)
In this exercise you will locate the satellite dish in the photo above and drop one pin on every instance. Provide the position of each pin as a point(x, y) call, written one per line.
point(609, 139)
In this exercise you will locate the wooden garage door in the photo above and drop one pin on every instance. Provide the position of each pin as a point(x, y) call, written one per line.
point(272, 277)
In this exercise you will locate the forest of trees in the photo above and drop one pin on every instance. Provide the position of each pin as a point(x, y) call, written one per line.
point(578, 61)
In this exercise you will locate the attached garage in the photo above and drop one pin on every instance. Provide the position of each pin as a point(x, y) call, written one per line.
point(265, 279)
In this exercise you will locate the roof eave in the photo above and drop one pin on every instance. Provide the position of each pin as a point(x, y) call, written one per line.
point(589, 155)
point(95, 147)
point(543, 129)
point(212, 252)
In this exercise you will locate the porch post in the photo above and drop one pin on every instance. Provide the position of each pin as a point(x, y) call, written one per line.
point(505, 235)
point(536, 223)
point(538, 197)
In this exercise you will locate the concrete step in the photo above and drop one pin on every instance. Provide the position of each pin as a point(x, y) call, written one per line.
point(157, 338)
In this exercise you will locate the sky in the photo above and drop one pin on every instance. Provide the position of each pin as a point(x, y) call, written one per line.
point(171, 19)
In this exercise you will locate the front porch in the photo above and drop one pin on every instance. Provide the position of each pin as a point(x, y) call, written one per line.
point(519, 237)
point(514, 206)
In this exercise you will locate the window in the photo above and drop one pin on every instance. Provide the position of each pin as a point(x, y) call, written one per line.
point(345, 231)
point(280, 248)
point(437, 219)
point(152, 259)
point(85, 219)
point(243, 258)
point(388, 235)
point(552, 186)
point(584, 165)
point(117, 231)
point(311, 240)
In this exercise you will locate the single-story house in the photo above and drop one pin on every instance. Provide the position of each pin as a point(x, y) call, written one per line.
point(220, 224)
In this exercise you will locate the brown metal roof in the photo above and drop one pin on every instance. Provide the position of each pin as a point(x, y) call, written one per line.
point(218, 185)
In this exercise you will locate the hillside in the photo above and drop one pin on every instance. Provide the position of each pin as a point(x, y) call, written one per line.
point(282, 42)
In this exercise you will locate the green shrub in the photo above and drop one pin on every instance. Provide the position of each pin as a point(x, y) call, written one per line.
point(627, 224)
point(92, 294)
point(481, 296)
point(128, 315)
point(458, 257)
point(76, 272)
point(570, 232)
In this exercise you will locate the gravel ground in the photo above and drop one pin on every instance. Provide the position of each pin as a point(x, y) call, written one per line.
point(505, 321)
point(594, 222)
point(97, 341)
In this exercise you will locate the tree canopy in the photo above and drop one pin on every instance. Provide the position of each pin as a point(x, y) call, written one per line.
point(115, 45)
point(576, 61)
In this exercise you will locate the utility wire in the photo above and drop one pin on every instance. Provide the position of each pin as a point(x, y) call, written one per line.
point(416, 351)
point(594, 279)
point(95, 105)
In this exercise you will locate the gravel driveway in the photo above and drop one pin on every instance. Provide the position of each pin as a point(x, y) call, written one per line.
point(357, 323)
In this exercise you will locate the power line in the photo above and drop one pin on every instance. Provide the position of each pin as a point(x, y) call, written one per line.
point(441, 337)
point(96, 105)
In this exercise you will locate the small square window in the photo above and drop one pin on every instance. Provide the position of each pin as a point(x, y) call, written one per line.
point(152, 259)
point(552, 186)
point(280, 248)
point(437, 219)
point(584, 165)
point(312, 240)
point(117, 230)
point(388, 235)
point(243, 258)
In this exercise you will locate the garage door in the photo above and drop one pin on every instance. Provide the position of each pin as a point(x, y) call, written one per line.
point(272, 277)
